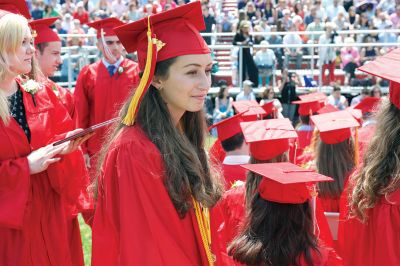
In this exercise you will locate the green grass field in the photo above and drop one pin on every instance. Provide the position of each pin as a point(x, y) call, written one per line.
point(86, 232)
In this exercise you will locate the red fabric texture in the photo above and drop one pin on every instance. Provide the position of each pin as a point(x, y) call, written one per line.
point(135, 221)
point(233, 173)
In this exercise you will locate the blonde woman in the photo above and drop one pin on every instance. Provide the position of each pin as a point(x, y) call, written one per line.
point(36, 184)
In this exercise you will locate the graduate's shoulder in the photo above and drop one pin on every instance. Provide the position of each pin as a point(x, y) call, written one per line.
point(133, 138)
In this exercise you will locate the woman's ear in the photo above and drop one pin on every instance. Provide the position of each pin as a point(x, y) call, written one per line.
point(157, 83)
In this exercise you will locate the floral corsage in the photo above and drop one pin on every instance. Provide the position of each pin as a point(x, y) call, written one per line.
point(31, 87)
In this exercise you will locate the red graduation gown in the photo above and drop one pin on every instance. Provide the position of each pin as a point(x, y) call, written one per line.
point(135, 221)
point(99, 96)
point(33, 228)
point(232, 173)
point(365, 135)
point(65, 97)
point(217, 153)
point(377, 241)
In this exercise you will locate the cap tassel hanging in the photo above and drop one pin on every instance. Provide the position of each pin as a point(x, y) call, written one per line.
point(153, 46)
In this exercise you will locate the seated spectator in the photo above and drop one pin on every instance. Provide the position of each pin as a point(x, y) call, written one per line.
point(209, 22)
point(296, 53)
point(280, 7)
point(105, 6)
point(81, 14)
point(258, 38)
point(316, 25)
point(269, 12)
point(298, 9)
point(383, 22)
point(356, 100)
point(350, 57)
point(308, 19)
point(353, 17)
point(265, 61)
point(376, 92)
point(224, 22)
point(37, 11)
point(134, 12)
point(67, 22)
point(118, 7)
point(247, 93)
point(395, 18)
point(68, 7)
point(368, 53)
point(337, 99)
point(223, 104)
point(286, 20)
point(298, 22)
point(333, 10)
point(341, 21)
point(50, 12)
point(387, 6)
point(250, 10)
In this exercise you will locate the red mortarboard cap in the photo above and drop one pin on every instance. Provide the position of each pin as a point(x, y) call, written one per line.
point(159, 37)
point(308, 106)
point(285, 182)
point(43, 31)
point(368, 104)
point(228, 127)
point(16, 7)
point(329, 108)
point(315, 96)
point(107, 25)
point(268, 107)
point(177, 28)
point(387, 67)
point(268, 138)
point(250, 109)
point(356, 113)
point(334, 127)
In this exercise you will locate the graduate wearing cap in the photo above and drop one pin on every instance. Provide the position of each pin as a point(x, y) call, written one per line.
point(304, 128)
point(102, 87)
point(334, 155)
point(269, 141)
point(155, 187)
point(372, 222)
point(15, 7)
point(48, 54)
point(279, 228)
point(39, 181)
point(237, 152)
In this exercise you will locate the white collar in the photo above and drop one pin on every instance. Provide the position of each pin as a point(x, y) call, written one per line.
point(236, 159)
point(116, 64)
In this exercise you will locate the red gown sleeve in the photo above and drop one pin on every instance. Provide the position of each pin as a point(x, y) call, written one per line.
point(14, 191)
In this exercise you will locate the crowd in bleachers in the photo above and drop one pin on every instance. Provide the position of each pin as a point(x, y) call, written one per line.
point(243, 18)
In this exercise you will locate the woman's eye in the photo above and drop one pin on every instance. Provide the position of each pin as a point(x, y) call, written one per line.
point(194, 72)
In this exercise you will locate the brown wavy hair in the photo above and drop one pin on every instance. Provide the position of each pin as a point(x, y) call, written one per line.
point(186, 164)
point(336, 161)
point(275, 234)
point(380, 174)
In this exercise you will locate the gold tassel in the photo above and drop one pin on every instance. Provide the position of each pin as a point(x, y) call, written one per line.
point(129, 119)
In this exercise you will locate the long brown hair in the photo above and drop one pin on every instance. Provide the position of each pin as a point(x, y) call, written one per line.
point(380, 174)
point(275, 234)
point(336, 161)
point(187, 171)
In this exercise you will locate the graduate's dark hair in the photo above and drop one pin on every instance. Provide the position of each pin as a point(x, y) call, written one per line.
point(336, 161)
point(233, 143)
point(380, 174)
point(275, 234)
point(186, 164)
